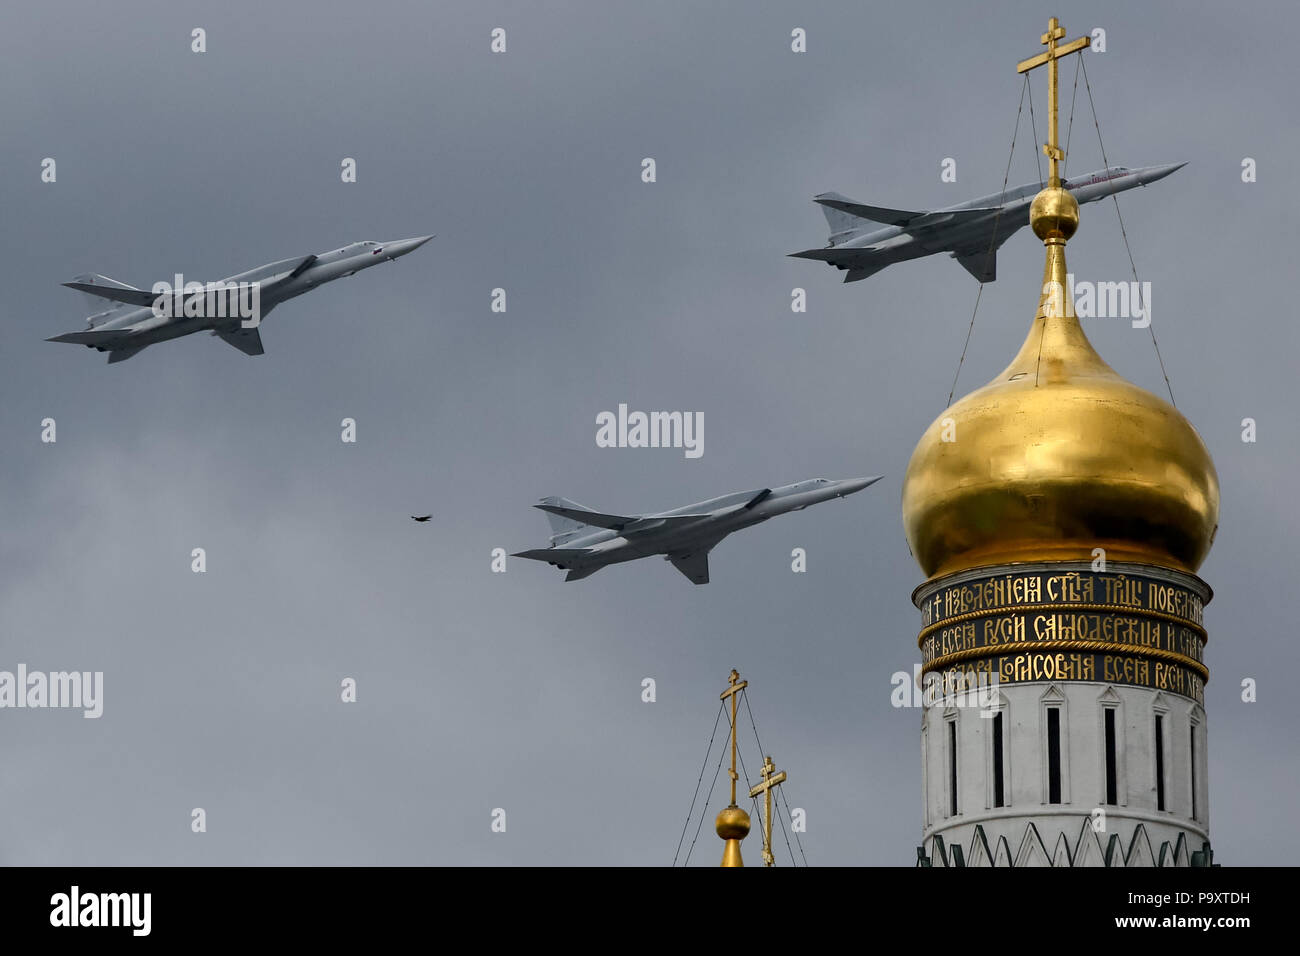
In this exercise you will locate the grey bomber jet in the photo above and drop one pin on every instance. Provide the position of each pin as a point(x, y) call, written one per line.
point(584, 541)
point(140, 318)
point(864, 239)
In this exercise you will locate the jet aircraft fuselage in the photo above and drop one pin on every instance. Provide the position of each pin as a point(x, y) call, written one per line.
point(586, 541)
point(141, 318)
point(865, 239)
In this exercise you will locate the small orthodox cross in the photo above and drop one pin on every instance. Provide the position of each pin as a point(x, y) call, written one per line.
point(770, 779)
point(736, 685)
point(1054, 32)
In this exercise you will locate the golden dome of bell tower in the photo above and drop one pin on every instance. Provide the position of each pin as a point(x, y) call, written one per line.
point(1060, 514)
point(1059, 455)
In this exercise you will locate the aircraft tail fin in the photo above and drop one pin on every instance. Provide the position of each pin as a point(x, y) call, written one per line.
point(841, 223)
point(97, 281)
point(100, 312)
point(568, 517)
point(563, 527)
point(845, 215)
point(95, 288)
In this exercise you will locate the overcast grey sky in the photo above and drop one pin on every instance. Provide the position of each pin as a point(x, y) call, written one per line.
point(479, 690)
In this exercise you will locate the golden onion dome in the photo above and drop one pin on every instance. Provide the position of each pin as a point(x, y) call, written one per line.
point(733, 826)
point(1059, 455)
point(732, 823)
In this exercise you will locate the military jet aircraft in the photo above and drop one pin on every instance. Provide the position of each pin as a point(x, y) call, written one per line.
point(584, 541)
point(864, 239)
point(141, 318)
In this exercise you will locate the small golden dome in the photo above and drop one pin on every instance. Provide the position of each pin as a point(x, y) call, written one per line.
point(1054, 214)
point(733, 823)
point(1059, 455)
point(732, 826)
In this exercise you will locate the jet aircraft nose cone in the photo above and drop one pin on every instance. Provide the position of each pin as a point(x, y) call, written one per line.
point(850, 485)
point(1153, 173)
point(400, 247)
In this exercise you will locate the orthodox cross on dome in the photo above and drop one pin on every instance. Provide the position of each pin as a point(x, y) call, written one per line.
point(771, 778)
point(1054, 32)
point(736, 685)
point(733, 822)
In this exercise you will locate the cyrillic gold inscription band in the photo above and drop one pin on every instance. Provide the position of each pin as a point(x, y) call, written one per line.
point(1152, 652)
point(1022, 625)
point(1025, 630)
point(1102, 608)
point(1124, 592)
point(957, 676)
